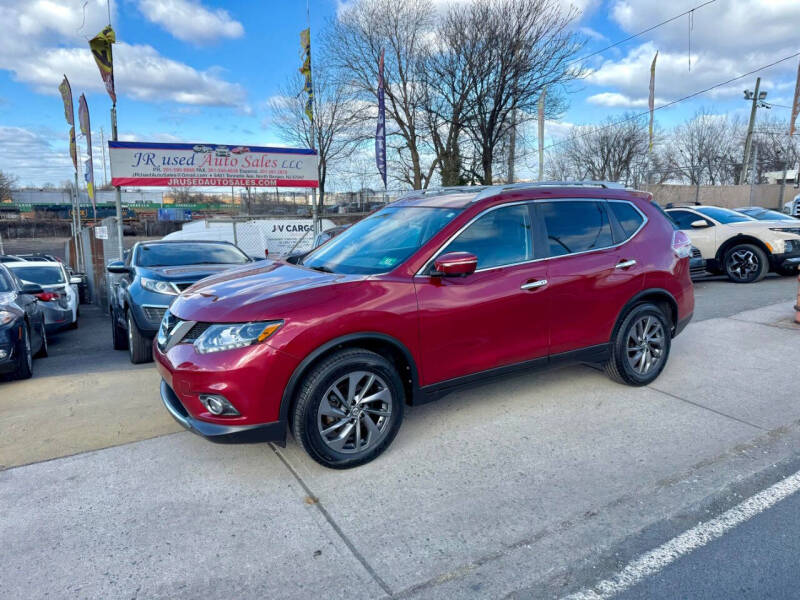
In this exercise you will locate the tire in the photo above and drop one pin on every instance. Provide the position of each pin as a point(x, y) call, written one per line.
point(140, 349)
point(628, 363)
point(745, 263)
point(119, 337)
point(42, 353)
point(354, 373)
point(24, 368)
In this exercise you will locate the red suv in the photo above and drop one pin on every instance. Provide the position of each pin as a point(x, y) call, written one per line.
point(439, 289)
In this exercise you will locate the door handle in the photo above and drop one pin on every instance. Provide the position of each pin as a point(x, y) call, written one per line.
point(625, 264)
point(533, 284)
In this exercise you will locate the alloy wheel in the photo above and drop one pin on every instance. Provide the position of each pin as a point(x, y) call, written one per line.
point(742, 264)
point(354, 412)
point(645, 344)
point(26, 342)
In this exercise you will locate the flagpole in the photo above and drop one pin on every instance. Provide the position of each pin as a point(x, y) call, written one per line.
point(315, 226)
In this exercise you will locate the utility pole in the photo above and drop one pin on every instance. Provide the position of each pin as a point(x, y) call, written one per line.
point(103, 148)
point(753, 175)
point(758, 100)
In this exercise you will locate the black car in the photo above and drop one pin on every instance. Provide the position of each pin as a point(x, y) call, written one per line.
point(22, 333)
point(6, 258)
point(150, 278)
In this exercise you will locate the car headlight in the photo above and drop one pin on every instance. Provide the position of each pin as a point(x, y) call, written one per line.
point(6, 317)
point(227, 336)
point(791, 246)
point(159, 287)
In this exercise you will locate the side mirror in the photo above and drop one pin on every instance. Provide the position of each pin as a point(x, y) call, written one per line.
point(117, 267)
point(32, 289)
point(75, 280)
point(699, 224)
point(455, 264)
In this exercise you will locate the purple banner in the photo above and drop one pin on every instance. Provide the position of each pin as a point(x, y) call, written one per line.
point(380, 132)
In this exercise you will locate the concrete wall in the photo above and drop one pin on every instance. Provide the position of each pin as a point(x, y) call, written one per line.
point(728, 196)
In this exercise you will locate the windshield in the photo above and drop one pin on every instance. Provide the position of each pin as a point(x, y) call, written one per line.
point(723, 215)
point(763, 214)
point(41, 275)
point(190, 253)
point(380, 242)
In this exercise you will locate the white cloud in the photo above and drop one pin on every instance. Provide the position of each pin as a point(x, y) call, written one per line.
point(729, 38)
point(28, 49)
point(190, 21)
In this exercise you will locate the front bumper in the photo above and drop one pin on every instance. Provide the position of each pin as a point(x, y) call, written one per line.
point(9, 337)
point(264, 432)
point(786, 260)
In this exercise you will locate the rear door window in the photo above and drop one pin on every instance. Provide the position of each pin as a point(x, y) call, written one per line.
point(627, 216)
point(575, 226)
point(499, 237)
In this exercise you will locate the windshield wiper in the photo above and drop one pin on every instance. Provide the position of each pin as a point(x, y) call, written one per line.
point(322, 269)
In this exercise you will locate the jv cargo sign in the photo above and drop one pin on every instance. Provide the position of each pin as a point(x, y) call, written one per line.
point(198, 165)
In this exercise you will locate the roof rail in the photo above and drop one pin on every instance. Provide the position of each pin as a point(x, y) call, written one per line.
point(439, 191)
point(497, 189)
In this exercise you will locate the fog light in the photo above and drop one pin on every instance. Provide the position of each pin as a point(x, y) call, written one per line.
point(218, 405)
point(3, 354)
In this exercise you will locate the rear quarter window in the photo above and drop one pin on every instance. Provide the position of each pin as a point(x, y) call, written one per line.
point(627, 216)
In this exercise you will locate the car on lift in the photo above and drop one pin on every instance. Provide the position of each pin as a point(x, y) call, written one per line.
point(150, 277)
point(22, 327)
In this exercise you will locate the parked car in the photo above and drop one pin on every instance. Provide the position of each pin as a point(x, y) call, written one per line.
point(59, 296)
point(697, 264)
point(739, 246)
point(7, 258)
point(39, 257)
point(437, 290)
point(22, 328)
point(792, 207)
point(152, 276)
point(766, 214)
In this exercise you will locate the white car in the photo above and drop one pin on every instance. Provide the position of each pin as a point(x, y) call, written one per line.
point(792, 207)
point(59, 300)
point(739, 246)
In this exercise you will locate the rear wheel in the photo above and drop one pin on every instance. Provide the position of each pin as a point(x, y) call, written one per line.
point(746, 263)
point(24, 368)
point(140, 349)
point(640, 347)
point(118, 335)
point(349, 409)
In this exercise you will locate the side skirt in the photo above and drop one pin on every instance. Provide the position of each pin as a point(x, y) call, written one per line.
point(592, 355)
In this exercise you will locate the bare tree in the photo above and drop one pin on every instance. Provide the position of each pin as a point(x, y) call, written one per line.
point(517, 48)
point(7, 183)
point(338, 117)
point(402, 28)
point(610, 151)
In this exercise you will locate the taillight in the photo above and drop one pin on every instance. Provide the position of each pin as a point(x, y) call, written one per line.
point(681, 244)
point(47, 296)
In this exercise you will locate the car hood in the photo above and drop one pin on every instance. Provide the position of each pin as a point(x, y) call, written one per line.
point(261, 291)
point(184, 273)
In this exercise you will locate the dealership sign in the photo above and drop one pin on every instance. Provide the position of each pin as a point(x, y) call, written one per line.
point(199, 165)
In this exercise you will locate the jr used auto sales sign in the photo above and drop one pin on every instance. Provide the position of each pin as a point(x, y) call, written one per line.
point(198, 165)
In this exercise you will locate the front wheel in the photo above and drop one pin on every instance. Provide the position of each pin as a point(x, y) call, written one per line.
point(24, 367)
point(119, 337)
point(349, 409)
point(640, 347)
point(140, 348)
point(746, 263)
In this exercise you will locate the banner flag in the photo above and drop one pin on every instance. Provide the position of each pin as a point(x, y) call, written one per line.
point(541, 132)
point(380, 132)
point(305, 44)
point(86, 129)
point(101, 50)
point(796, 103)
point(73, 150)
point(652, 99)
point(66, 96)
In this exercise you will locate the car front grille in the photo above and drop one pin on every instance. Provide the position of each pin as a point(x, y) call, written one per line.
point(154, 314)
point(182, 285)
point(195, 332)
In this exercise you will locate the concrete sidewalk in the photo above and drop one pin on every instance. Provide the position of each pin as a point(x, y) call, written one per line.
point(503, 489)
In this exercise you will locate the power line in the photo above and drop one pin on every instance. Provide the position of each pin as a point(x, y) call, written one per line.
point(635, 35)
point(672, 103)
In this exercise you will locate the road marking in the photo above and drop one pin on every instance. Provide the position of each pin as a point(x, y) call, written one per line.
point(654, 561)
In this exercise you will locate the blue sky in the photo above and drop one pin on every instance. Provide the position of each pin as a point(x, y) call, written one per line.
point(204, 70)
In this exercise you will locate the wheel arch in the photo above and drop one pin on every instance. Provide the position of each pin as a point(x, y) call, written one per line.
point(658, 296)
point(740, 238)
point(380, 343)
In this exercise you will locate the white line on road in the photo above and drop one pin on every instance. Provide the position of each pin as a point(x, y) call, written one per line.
point(654, 561)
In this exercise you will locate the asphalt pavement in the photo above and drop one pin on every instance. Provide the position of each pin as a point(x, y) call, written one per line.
point(534, 486)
